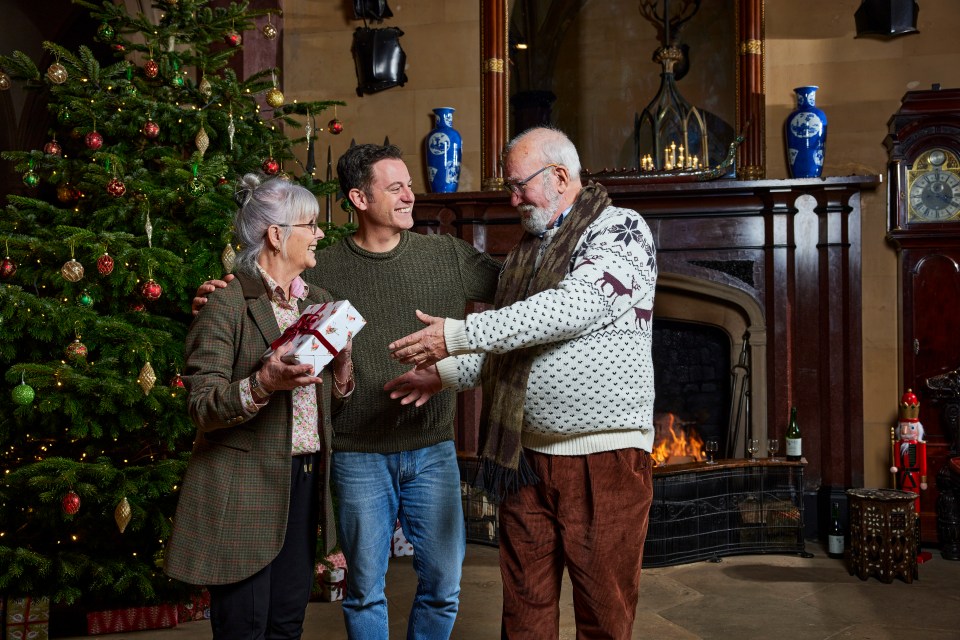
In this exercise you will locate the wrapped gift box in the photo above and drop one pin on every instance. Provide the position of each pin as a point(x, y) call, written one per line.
point(197, 608)
point(319, 334)
point(399, 545)
point(332, 585)
point(161, 616)
point(332, 578)
point(27, 618)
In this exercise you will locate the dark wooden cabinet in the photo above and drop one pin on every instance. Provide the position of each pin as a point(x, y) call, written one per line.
point(924, 225)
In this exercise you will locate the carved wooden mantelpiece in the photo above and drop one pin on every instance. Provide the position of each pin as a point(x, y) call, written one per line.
point(785, 252)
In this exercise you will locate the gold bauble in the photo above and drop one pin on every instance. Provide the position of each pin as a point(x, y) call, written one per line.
point(72, 270)
point(202, 140)
point(228, 258)
point(4, 81)
point(269, 31)
point(275, 98)
point(206, 90)
point(122, 514)
point(147, 379)
point(57, 73)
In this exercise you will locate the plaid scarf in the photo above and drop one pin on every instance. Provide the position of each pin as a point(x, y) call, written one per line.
point(503, 469)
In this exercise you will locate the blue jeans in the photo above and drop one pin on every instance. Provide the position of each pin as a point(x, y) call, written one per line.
point(422, 488)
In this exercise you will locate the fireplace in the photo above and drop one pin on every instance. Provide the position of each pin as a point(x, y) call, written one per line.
point(702, 371)
point(770, 266)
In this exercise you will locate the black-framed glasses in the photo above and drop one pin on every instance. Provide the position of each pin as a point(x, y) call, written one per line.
point(516, 188)
point(313, 227)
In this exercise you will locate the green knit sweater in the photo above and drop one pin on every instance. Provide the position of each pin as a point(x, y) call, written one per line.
point(437, 274)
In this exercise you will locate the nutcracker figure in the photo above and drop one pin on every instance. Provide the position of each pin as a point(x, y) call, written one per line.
point(910, 456)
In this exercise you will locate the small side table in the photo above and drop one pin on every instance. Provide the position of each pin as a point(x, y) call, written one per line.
point(882, 534)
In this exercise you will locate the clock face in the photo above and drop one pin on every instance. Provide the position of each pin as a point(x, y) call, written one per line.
point(934, 187)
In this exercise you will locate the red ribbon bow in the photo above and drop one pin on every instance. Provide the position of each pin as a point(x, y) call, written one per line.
point(304, 326)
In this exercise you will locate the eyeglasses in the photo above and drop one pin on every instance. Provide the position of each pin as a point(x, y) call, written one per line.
point(516, 188)
point(312, 227)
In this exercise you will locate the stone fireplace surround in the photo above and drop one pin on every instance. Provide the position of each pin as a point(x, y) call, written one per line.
point(778, 260)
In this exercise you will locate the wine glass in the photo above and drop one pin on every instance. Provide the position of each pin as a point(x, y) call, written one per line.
point(711, 447)
point(752, 447)
point(772, 446)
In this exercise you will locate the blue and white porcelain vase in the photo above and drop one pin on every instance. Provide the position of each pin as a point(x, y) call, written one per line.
point(444, 150)
point(806, 134)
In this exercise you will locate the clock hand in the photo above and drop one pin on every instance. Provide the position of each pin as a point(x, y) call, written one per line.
point(942, 196)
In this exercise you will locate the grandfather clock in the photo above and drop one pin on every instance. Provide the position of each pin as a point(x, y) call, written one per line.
point(924, 198)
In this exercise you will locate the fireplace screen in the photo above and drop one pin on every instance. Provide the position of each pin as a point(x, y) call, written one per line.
point(734, 507)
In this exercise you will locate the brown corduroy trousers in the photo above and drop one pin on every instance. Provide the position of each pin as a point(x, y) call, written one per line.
point(590, 514)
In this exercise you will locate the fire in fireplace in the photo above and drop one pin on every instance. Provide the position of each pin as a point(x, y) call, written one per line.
point(694, 382)
point(675, 442)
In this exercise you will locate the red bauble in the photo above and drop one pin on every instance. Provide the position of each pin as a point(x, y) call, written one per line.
point(94, 140)
point(270, 167)
point(105, 265)
point(150, 129)
point(335, 127)
point(151, 69)
point(234, 39)
point(71, 503)
point(76, 350)
point(116, 188)
point(7, 268)
point(137, 306)
point(222, 180)
point(53, 148)
point(151, 290)
point(177, 382)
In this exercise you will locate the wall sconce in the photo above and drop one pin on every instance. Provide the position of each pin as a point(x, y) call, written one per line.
point(887, 18)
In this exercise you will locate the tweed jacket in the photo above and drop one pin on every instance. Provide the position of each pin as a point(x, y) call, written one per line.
point(232, 512)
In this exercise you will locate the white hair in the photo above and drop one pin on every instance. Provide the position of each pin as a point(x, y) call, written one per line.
point(555, 148)
point(264, 203)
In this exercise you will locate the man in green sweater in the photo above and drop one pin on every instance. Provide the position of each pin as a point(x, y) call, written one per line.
point(396, 460)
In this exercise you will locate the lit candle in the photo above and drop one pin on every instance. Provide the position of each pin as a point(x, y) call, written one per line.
point(673, 155)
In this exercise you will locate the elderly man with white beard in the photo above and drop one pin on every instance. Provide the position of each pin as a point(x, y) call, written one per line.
point(565, 363)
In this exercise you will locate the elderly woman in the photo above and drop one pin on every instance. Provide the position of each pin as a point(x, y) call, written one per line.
point(246, 523)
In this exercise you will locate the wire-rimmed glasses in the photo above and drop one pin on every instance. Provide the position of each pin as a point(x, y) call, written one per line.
point(516, 188)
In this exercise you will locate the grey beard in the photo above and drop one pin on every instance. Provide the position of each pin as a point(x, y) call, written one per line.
point(537, 222)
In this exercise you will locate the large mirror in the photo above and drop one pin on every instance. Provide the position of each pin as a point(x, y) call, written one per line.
point(587, 67)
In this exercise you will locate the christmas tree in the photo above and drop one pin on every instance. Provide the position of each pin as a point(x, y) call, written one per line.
point(124, 212)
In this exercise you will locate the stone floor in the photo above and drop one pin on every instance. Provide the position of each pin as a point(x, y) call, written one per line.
point(772, 596)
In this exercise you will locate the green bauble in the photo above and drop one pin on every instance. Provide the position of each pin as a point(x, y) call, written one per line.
point(85, 299)
point(106, 32)
point(23, 394)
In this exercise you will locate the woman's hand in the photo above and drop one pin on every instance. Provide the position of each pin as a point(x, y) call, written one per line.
point(276, 375)
point(343, 368)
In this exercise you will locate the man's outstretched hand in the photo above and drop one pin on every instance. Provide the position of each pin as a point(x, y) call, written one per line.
point(423, 348)
point(206, 288)
point(416, 386)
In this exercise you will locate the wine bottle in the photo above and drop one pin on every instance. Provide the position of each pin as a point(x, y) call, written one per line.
point(794, 449)
point(835, 537)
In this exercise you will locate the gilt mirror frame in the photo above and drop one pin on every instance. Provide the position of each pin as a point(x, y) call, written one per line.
point(494, 89)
